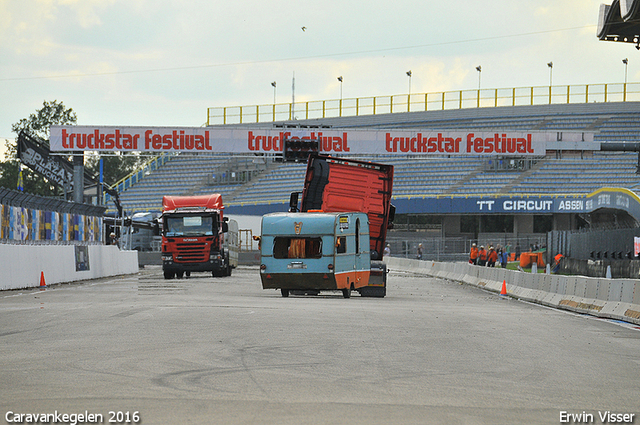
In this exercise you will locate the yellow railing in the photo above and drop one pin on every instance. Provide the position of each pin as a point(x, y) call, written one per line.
point(419, 102)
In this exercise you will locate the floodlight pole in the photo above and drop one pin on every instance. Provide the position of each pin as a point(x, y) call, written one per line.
point(340, 79)
point(274, 99)
point(273, 84)
point(409, 95)
point(479, 69)
point(625, 61)
point(550, 65)
point(293, 96)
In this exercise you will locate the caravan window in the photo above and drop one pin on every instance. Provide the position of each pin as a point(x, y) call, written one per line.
point(286, 247)
point(341, 245)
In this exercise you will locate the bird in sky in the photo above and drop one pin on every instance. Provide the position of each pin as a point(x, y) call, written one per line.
point(304, 28)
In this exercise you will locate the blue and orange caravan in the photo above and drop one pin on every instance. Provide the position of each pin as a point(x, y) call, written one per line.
point(342, 221)
point(315, 252)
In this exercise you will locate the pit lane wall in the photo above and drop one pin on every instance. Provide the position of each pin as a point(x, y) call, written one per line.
point(610, 298)
point(21, 265)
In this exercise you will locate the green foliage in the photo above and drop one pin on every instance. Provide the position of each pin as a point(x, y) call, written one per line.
point(37, 125)
point(51, 113)
point(115, 167)
point(31, 182)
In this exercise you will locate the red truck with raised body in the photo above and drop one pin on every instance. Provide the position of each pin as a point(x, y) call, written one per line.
point(193, 229)
point(334, 185)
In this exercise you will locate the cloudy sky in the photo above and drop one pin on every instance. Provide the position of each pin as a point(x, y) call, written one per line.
point(163, 62)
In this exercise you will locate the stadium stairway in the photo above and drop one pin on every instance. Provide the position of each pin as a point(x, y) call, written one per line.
point(523, 176)
point(183, 175)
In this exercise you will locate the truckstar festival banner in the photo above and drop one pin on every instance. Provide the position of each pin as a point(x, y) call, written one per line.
point(331, 141)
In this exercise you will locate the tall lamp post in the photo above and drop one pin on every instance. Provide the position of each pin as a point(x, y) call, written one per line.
point(409, 95)
point(625, 61)
point(273, 84)
point(479, 69)
point(550, 65)
point(340, 79)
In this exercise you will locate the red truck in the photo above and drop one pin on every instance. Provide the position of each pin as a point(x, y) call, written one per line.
point(193, 229)
point(334, 185)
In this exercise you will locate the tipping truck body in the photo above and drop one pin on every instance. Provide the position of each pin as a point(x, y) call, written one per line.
point(336, 187)
point(193, 230)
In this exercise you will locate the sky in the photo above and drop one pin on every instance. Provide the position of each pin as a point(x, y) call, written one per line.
point(164, 62)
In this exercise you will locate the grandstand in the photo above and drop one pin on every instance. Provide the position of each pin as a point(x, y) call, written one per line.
point(256, 185)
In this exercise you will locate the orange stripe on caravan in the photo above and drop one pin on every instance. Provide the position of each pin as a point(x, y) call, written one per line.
point(358, 278)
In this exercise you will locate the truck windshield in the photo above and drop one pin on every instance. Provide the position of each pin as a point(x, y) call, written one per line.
point(189, 226)
point(286, 247)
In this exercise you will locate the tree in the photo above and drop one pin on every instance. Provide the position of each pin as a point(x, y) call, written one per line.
point(115, 167)
point(51, 113)
point(37, 125)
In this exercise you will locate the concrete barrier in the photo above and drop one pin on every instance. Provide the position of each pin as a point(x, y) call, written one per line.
point(21, 265)
point(610, 298)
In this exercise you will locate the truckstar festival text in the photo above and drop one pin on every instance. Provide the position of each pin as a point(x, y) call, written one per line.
point(333, 140)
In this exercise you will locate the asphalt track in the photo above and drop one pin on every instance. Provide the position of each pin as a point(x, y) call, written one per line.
point(224, 351)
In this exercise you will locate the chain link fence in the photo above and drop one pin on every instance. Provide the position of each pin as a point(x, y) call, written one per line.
point(439, 248)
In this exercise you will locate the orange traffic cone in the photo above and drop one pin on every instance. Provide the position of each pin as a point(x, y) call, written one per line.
point(42, 282)
point(504, 288)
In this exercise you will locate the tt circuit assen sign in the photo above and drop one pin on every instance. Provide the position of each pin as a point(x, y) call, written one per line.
point(331, 141)
point(605, 198)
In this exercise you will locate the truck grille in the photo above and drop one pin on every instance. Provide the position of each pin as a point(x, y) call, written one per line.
point(192, 252)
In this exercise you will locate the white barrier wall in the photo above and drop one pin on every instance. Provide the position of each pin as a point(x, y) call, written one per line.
point(21, 265)
point(612, 298)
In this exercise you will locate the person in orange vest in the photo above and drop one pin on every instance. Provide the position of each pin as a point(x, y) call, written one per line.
point(492, 258)
point(473, 255)
point(558, 258)
point(482, 256)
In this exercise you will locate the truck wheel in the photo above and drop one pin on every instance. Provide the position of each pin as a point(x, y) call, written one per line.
point(284, 292)
point(168, 275)
point(179, 275)
point(346, 292)
point(227, 269)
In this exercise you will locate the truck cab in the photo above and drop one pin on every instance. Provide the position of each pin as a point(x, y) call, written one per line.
point(315, 251)
point(193, 230)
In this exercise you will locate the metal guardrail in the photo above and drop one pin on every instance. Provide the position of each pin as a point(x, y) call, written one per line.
point(420, 102)
point(16, 198)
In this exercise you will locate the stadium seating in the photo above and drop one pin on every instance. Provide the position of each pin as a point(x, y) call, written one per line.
point(582, 173)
